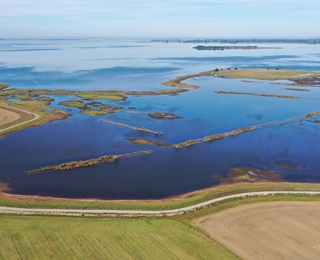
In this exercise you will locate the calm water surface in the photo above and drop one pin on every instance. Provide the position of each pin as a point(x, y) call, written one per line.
point(136, 64)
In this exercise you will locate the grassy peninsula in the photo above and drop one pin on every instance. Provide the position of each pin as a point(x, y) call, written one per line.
point(297, 77)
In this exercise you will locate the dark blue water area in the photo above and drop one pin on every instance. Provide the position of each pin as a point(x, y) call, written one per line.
point(169, 172)
point(125, 65)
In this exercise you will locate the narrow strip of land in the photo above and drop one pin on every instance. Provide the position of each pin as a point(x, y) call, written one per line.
point(39, 211)
point(132, 127)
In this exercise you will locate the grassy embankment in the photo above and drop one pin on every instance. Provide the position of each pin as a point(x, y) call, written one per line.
point(35, 107)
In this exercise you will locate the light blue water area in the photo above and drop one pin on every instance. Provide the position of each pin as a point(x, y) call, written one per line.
point(137, 64)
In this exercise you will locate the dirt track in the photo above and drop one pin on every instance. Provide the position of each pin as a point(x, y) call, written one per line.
point(7, 117)
point(270, 230)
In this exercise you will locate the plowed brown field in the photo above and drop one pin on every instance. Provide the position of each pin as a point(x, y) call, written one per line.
point(7, 117)
point(270, 230)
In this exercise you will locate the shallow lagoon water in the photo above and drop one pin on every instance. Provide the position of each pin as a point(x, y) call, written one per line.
point(133, 64)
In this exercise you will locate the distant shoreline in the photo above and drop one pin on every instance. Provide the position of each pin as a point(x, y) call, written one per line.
point(228, 47)
point(240, 41)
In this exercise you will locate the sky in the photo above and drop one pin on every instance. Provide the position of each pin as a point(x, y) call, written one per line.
point(165, 18)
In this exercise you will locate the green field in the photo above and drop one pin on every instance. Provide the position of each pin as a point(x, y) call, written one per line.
point(35, 237)
point(83, 237)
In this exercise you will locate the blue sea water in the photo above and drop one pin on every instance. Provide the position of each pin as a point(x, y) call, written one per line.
point(138, 64)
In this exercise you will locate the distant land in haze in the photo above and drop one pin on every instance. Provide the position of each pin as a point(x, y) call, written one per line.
point(241, 41)
point(224, 47)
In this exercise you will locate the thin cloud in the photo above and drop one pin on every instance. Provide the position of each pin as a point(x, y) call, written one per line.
point(81, 7)
point(166, 17)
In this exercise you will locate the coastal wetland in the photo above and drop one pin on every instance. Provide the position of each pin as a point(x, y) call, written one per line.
point(195, 130)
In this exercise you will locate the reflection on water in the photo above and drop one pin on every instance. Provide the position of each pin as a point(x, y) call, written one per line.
point(132, 65)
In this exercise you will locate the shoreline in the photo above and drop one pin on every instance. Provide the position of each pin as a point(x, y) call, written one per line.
point(5, 193)
point(148, 213)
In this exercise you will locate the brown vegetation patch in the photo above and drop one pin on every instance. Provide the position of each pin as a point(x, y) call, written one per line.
point(3, 86)
point(146, 141)
point(52, 116)
point(164, 116)
point(307, 81)
point(214, 137)
point(269, 230)
point(86, 163)
point(285, 164)
point(248, 174)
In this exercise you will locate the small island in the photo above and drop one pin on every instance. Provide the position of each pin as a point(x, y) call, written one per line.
point(164, 116)
point(231, 47)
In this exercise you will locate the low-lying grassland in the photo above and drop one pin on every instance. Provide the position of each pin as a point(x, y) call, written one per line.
point(268, 74)
point(41, 237)
point(74, 103)
point(298, 77)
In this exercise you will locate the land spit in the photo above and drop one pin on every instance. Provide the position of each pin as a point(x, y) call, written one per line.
point(263, 95)
point(87, 163)
point(299, 77)
point(132, 127)
point(239, 131)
